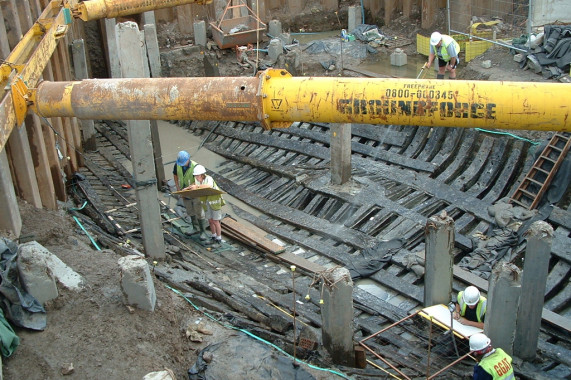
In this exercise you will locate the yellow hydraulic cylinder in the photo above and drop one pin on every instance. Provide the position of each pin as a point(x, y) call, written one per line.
point(438, 103)
point(98, 9)
point(277, 99)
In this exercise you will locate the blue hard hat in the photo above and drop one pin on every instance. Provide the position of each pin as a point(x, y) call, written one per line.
point(183, 157)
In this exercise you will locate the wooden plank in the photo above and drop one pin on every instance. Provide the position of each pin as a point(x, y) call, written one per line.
point(52, 154)
point(376, 152)
point(241, 238)
point(560, 300)
point(471, 172)
point(75, 133)
point(490, 171)
point(107, 131)
point(4, 43)
point(561, 244)
point(555, 277)
point(252, 235)
point(24, 177)
point(560, 217)
point(454, 137)
point(394, 282)
point(406, 8)
point(462, 155)
point(41, 161)
point(435, 139)
point(385, 135)
point(429, 10)
point(61, 126)
point(389, 10)
point(25, 13)
point(300, 262)
point(185, 19)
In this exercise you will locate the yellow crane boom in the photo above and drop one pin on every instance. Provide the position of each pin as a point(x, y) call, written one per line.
point(277, 99)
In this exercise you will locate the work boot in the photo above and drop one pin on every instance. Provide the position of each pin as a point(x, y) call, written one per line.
point(195, 223)
point(215, 242)
point(202, 225)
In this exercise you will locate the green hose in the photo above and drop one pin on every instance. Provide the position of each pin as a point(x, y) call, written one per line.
point(509, 134)
point(81, 226)
point(87, 233)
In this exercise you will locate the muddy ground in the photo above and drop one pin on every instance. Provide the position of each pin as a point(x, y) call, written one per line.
point(93, 331)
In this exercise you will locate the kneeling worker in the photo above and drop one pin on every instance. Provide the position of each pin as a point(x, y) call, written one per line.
point(471, 308)
point(493, 363)
point(446, 49)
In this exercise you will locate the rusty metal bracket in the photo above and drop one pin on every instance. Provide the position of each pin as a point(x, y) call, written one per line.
point(7, 69)
point(20, 99)
point(267, 101)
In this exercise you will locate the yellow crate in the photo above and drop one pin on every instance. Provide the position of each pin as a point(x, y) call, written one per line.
point(475, 48)
point(422, 44)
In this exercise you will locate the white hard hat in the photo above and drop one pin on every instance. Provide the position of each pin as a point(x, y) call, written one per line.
point(198, 170)
point(479, 341)
point(471, 295)
point(435, 38)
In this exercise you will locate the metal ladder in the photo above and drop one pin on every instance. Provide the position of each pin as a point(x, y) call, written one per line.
point(537, 180)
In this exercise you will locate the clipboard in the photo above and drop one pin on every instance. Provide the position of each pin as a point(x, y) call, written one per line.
point(441, 315)
point(197, 193)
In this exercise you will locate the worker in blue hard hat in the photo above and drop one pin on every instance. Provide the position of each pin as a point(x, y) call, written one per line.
point(471, 307)
point(183, 178)
point(446, 49)
point(493, 363)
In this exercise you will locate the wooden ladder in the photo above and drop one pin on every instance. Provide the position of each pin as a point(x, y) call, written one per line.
point(537, 180)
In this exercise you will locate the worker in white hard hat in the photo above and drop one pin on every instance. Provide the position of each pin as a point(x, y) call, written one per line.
point(471, 307)
point(446, 49)
point(493, 363)
point(183, 178)
point(212, 204)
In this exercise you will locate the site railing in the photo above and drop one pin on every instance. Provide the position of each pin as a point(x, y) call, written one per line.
point(503, 20)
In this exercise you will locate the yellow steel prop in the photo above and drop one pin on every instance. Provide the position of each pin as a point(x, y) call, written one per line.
point(232, 98)
point(98, 9)
point(439, 103)
point(277, 99)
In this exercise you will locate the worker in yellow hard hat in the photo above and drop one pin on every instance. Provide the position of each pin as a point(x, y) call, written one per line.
point(471, 307)
point(446, 49)
point(493, 363)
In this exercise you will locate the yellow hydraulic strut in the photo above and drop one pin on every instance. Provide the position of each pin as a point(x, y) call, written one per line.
point(277, 99)
point(98, 9)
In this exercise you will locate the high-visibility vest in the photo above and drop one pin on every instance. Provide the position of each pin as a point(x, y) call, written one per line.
point(186, 179)
point(214, 201)
point(480, 309)
point(498, 365)
point(446, 41)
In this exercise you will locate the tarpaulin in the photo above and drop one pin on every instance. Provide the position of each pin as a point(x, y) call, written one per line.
point(20, 308)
